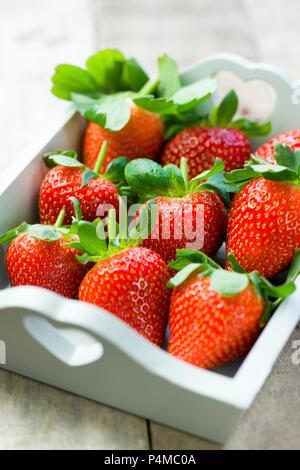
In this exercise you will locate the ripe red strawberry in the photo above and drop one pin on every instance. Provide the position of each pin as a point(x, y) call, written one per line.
point(263, 226)
point(142, 136)
point(131, 284)
point(127, 280)
point(210, 231)
point(215, 137)
point(71, 179)
point(190, 214)
point(123, 105)
point(201, 145)
point(216, 315)
point(291, 139)
point(40, 256)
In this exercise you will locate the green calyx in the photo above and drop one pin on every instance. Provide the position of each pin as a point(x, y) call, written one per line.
point(223, 116)
point(148, 180)
point(103, 238)
point(104, 90)
point(47, 233)
point(231, 283)
point(69, 158)
point(286, 168)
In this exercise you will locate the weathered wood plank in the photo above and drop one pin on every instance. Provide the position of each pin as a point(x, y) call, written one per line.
point(273, 421)
point(34, 37)
point(188, 30)
point(35, 416)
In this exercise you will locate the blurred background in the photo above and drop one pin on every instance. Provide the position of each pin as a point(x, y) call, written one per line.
point(35, 35)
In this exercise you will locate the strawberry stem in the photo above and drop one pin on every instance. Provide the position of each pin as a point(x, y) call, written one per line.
point(101, 157)
point(184, 171)
point(123, 228)
point(149, 87)
point(60, 218)
point(111, 225)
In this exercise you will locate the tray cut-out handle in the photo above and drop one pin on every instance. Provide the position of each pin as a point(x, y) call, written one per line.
point(286, 111)
point(72, 346)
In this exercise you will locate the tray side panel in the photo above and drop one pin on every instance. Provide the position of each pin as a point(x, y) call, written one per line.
point(116, 380)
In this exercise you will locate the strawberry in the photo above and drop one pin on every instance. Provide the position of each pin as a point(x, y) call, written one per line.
point(189, 212)
point(128, 281)
point(126, 108)
point(69, 179)
point(263, 226)
point(290, 138)
point(142, 136)
point(131, 284)
point(216, 136)
point(41, 255)
point(216, 315)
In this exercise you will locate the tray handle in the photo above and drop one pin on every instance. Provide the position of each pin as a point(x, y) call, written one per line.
point(73, 347)
point(286, 112)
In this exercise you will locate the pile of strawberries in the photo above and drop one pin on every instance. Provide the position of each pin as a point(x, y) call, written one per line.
point(151, 141)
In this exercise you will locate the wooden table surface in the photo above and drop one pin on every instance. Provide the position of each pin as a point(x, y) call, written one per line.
point(34, 36)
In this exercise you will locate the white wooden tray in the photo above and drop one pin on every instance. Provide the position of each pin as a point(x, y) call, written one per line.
point(87, 351)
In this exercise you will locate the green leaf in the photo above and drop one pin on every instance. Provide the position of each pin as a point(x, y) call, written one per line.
point(44, 232)
point(213, 115)
point(109, 111)
point(89, 239)
point(146, 178)
point(106, 67)
point(182, 275)
point(87, 176)
point(145, 223)
point(160, 106)
point(77, 208)
point(175, 180)
point(51, 162)
point(115, 171)
point(13, 233)
point(274, 172)
point(251, 128)
point(182, 101)
point(285, 157)
point(217, 168)
point(237, 176)
point(55, 159)
point(227, 283)
point(134, 77)
point(235, 264)
point(185, 257)
point(227, 109)
point(295, 267)
point(39, 231)
point(190, 95)
point(255, 279)
point(282, 291)
point(83, 259)
point(221, 186)
point(69, 79)
point(76, 246)
point(169, 80)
